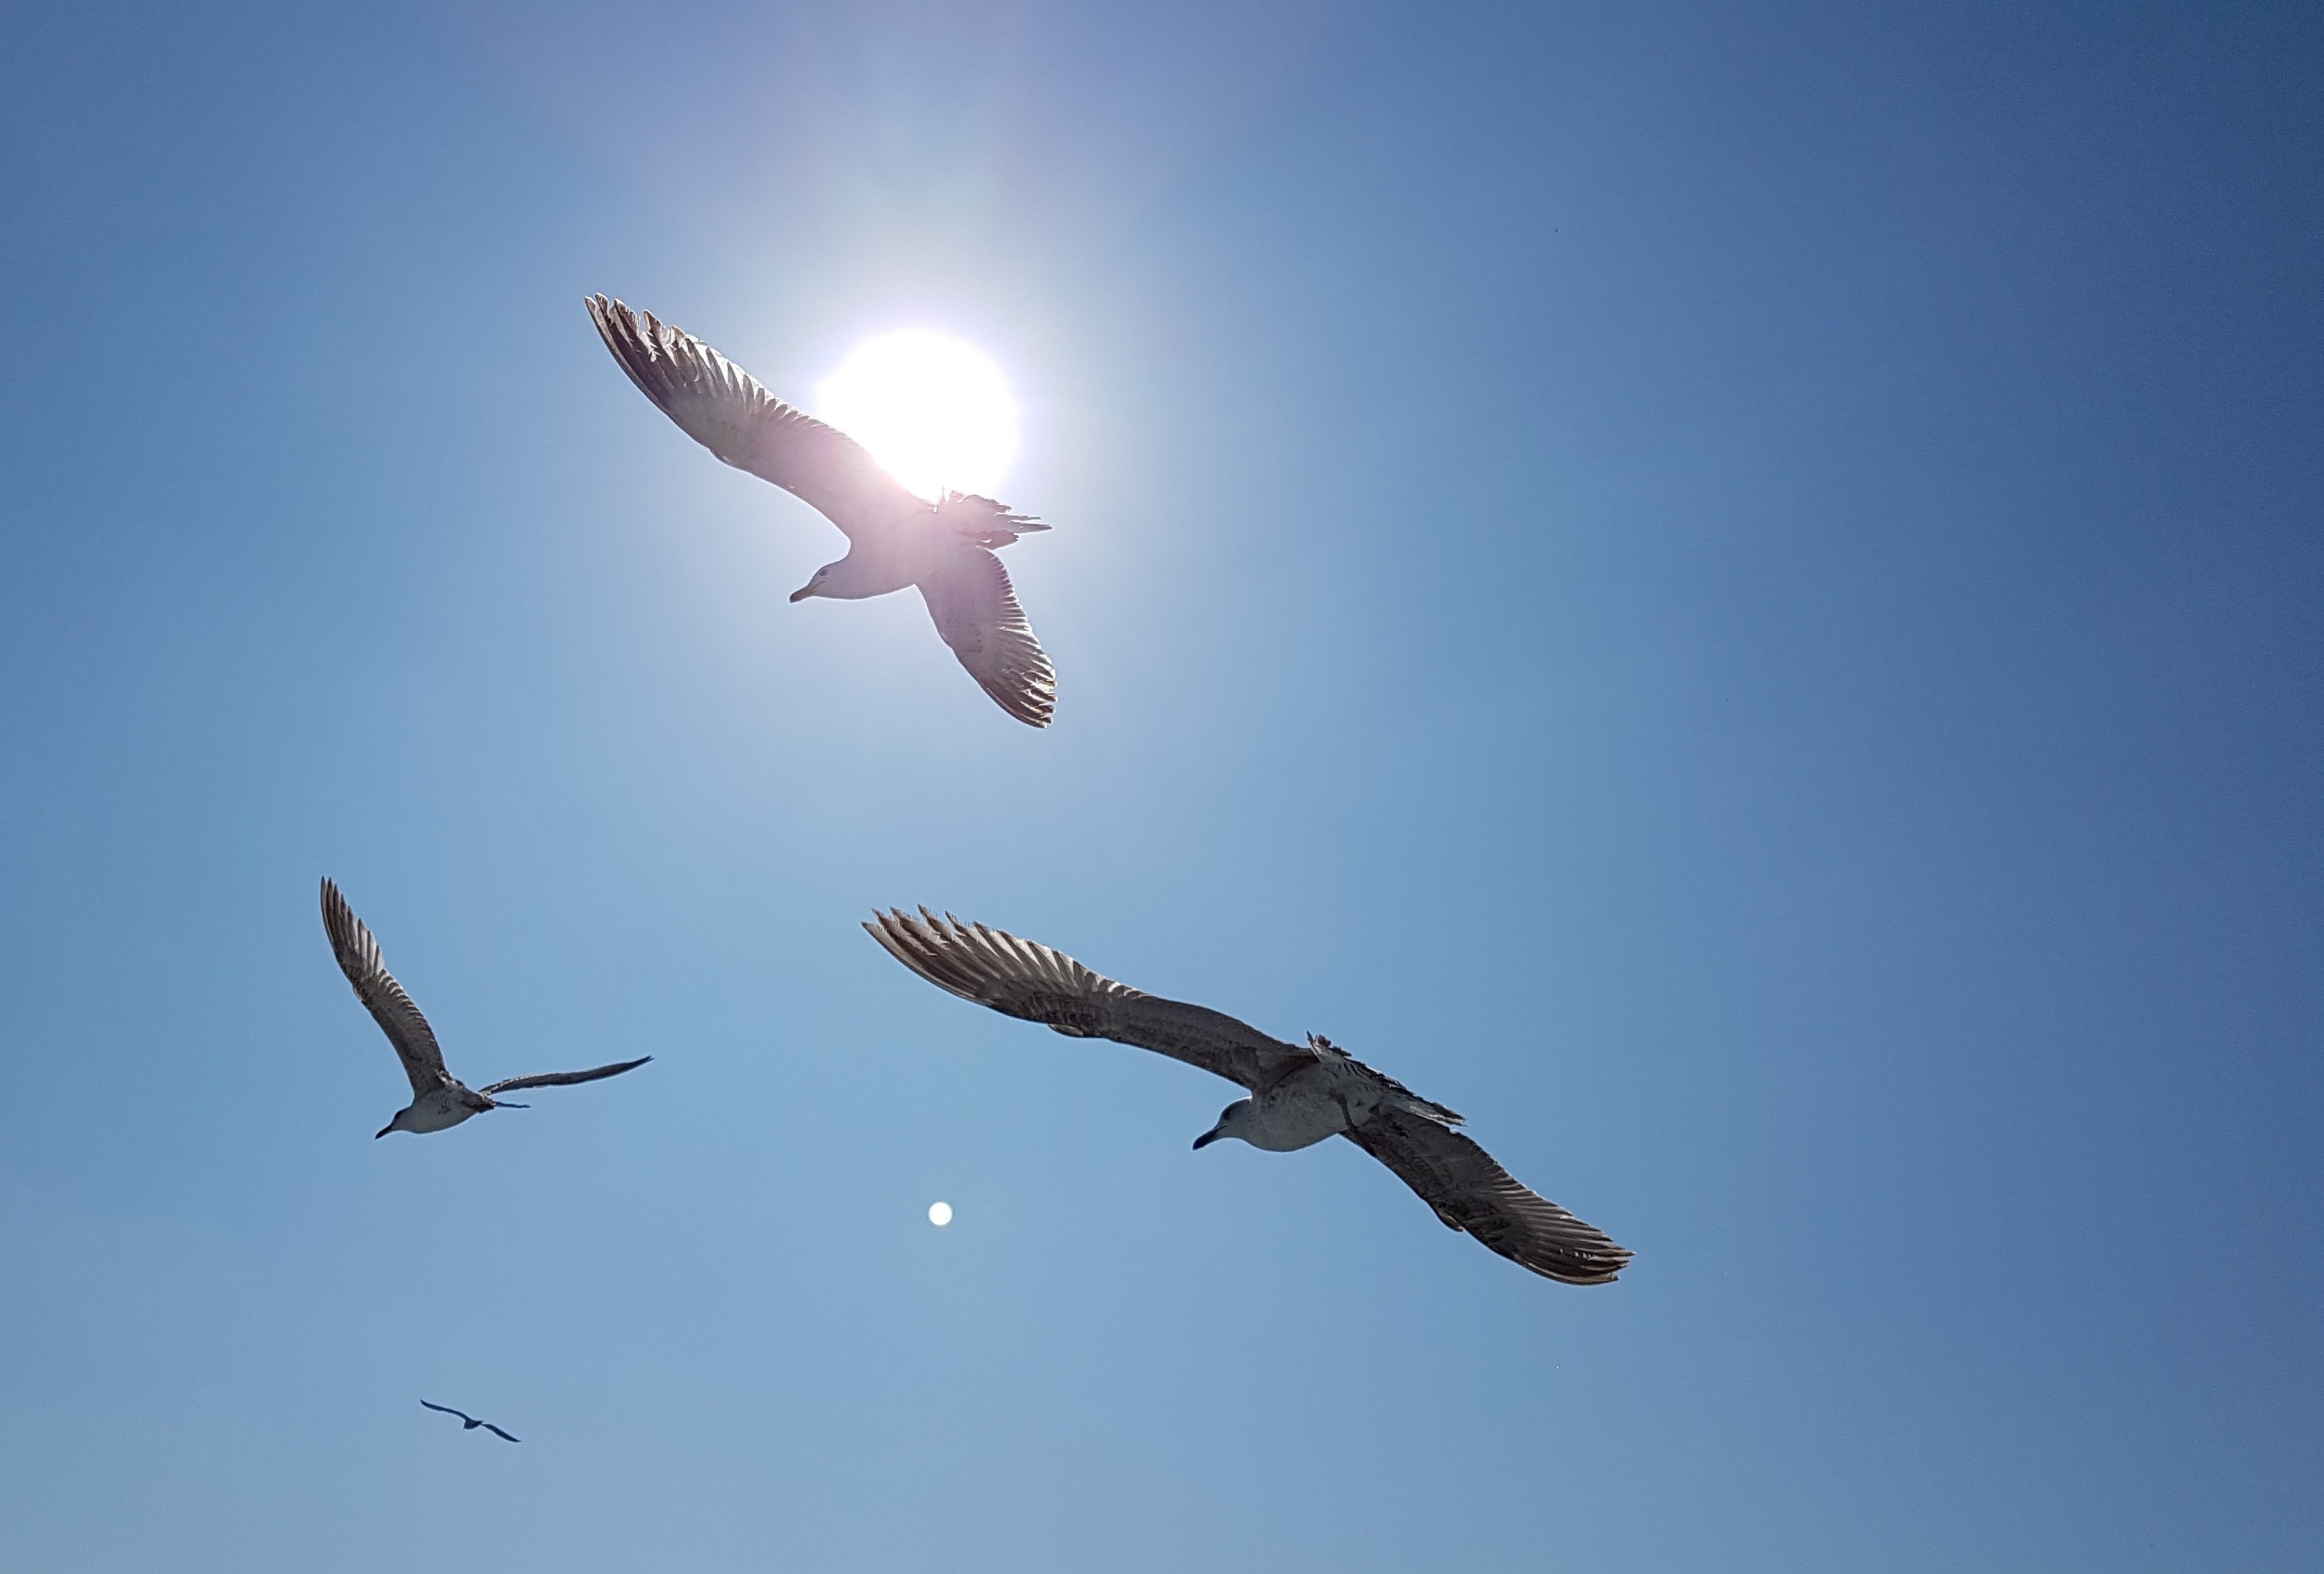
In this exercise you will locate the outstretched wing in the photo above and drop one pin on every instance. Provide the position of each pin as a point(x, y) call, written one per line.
point(563, 1079)
point(447, 1409)
point(1022, 979)
point(1470, 1192)
point(726, 409)
point(383, 997)
point(976, 610)
point(499, 1433)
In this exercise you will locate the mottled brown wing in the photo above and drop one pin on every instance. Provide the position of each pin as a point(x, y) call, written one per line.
point(1022, 979)
point(976, 610)
point(383, 997)
point(726, 409)
point(1470, 1192)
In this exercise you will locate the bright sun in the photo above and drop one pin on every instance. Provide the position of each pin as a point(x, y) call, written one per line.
point(933, 412)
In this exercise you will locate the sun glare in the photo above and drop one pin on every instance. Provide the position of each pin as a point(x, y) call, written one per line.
point(933, 412)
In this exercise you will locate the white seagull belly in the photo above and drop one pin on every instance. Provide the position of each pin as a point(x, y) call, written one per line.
point(438, 1111)
point(1299, 1114)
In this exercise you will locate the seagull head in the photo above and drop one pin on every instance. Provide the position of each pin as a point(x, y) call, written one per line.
point(1232, 1120)
point(853, 578)
point(402, 1122)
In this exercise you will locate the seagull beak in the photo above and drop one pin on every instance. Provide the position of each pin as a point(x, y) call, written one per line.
point(802, 593)
point(1205, 1141)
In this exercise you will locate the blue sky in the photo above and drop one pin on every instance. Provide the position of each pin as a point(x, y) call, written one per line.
point(1731, 593)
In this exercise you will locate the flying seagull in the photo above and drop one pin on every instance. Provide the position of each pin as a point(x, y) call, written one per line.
point(470, 1423)
point(1300, 1093)
point(438, 1099)
point(896, 537)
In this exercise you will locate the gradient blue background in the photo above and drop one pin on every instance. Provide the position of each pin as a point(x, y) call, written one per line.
point(1732, 592)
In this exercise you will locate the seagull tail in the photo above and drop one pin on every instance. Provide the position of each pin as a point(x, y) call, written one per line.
point(1404, 1097)
point(984, 521)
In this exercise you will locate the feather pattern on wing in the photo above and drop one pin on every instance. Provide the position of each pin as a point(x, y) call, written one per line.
point(729, 412)
point(1023, 978)
point(1470, 1192)
point(563, 1079)
point(976, 611)
point(383, 997)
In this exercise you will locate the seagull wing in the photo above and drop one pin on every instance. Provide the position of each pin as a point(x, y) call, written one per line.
point(727, 410)
point(383, 997)
point(976, 610)
point(1470, 1192)
point(1022, 979)
point(563, 1079)
point(499, 1433)
point(447, 1409)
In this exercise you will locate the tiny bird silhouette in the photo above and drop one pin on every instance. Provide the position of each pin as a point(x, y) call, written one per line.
point(469, 1422)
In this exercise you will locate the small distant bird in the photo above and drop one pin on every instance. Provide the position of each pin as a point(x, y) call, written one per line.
point(438, 1099)
point(469, 1422)
point(1300, 1093)
point(896, 537)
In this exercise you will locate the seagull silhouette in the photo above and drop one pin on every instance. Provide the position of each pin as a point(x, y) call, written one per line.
point(438, 1099)
point(896, 537)
point(1300, 1094)
point(470, 1423)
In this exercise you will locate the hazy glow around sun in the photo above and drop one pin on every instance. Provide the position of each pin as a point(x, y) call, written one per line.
point(934, 412)
point(939, 1214)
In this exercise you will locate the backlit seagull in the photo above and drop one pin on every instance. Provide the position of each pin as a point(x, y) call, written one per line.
point(469, 1422)
point(1300, 1094)
point(895, 536)
point(438, 1099)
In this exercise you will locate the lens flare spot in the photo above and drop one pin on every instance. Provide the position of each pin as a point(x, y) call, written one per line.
point(935, 412)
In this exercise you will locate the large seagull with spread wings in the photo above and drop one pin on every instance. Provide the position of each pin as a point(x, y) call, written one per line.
point(1300, 1094)
point(438, 1099)
point(896, 537)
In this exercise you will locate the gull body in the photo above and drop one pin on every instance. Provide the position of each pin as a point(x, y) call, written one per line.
point(441, 1108)
point(1330, 1098)
point(439, 1101)
point(896, 537)
point(1299, 1094)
